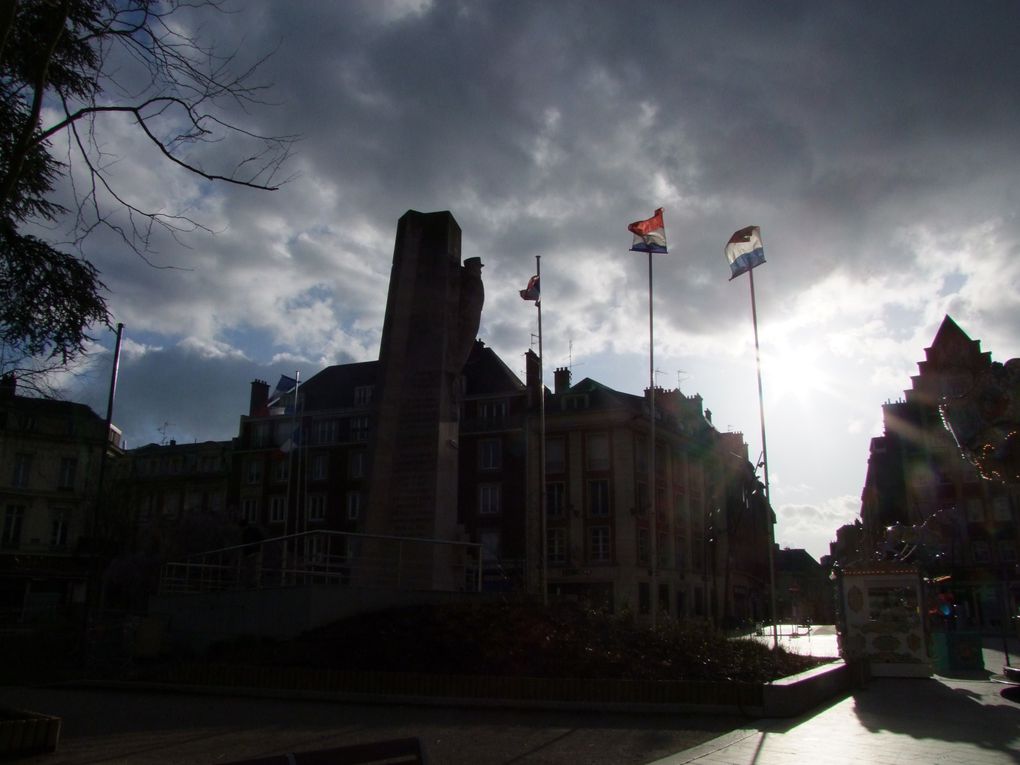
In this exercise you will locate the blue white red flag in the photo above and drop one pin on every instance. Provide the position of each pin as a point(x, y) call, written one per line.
point(281, 401)
point(744, 251)
point(532, 291)
point(649, 235)
point(285, 386)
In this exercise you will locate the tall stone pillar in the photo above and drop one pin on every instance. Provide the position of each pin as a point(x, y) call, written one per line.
point(432, 315)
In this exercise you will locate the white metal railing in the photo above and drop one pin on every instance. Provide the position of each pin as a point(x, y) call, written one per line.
point(329, 558)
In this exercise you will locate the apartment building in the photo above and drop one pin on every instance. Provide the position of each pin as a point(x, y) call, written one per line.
point(51, 457)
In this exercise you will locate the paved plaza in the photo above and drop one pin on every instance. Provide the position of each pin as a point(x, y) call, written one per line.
point(969, 718)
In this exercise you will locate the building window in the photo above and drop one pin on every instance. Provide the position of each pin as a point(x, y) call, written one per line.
point(68, 469)
point(981, 552)
point(490, 545)
point(320, 467)
point(359, 429)
point(598, 544)
point(14, 516)
point(975, 511)
point(22, 470)
point(277, 509)
point(253, 472)
point(1000, 508)
point(353, 505)
point(490, 454)
point(362, 395)
point(492, 411)
point(260, 435)
point(598, 498)
point(171, 505)
point(597, 451)
point(250, 509)
point(489, 496)
point(58, 528)
point(145, 509)
point(555, 499)
point(281, 470)
point(282, 432)
point(556, 546)
point(1007, 551)
point(555, 455)
point(315, 550)
point(325, 432)
point(316, 507)
point(356, 465)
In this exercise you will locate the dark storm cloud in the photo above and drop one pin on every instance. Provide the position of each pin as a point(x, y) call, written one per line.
point(873, 142)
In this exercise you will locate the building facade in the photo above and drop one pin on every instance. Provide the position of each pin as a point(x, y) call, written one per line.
point(695, 545)
point(924, 503)
point(51, 458)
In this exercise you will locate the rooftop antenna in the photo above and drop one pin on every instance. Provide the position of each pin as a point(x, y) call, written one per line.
point(570, 356)
point(163, 431)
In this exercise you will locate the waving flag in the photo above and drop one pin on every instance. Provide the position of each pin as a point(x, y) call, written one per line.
point(277, 403)
point(649, 235)
point(744, 251)
point(532, 291)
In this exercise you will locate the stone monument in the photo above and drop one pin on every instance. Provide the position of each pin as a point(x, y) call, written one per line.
point(432, 315)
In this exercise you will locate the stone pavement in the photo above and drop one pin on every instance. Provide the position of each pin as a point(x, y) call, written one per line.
point(969, 718)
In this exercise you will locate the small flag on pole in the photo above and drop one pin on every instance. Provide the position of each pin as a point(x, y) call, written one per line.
point(744, 251)
point(649, 235)
point(532, 291)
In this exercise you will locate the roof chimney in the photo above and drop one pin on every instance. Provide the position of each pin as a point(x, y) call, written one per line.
point(561, 380)
point(532, 367)
point(259, 398)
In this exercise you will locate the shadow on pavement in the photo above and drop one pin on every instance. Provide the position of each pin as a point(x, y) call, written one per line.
point(970, 713)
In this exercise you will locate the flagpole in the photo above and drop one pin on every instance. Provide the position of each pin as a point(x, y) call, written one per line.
point(541, 448)
point(653, 552)
point(290, 477)
point(765, 465)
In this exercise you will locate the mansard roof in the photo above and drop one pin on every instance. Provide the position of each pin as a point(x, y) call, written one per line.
point(486, 373)
point(333, 387)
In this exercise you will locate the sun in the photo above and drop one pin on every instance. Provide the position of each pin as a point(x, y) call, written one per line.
point(795, 373)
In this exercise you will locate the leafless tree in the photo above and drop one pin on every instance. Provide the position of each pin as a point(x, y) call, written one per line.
point(89, 62)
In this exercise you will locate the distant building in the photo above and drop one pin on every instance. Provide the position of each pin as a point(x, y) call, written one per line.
point(924, 503)
point(174, 495)
point(52, 512)
point(804, 593)
point(708, 557)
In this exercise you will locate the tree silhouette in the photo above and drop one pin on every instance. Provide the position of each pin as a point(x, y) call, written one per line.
point(85, 61)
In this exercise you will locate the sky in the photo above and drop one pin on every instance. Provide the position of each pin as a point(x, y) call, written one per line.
point(874, 143)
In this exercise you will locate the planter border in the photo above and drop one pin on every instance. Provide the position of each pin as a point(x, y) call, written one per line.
point(23, 732)
point(787, 697)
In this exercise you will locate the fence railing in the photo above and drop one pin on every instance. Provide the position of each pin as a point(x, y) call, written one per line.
point(329, 558)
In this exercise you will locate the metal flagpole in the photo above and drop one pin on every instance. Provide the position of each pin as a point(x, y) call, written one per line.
point(765, 465)
point(653, 552)
point(290, 475)
point(541, 447)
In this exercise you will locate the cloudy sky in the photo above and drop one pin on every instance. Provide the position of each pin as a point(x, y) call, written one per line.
point(874, 143)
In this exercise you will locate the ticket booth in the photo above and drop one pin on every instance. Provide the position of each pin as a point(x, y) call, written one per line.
point(881, 619)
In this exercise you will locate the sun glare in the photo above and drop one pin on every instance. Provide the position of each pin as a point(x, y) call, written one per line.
point(794, 374)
